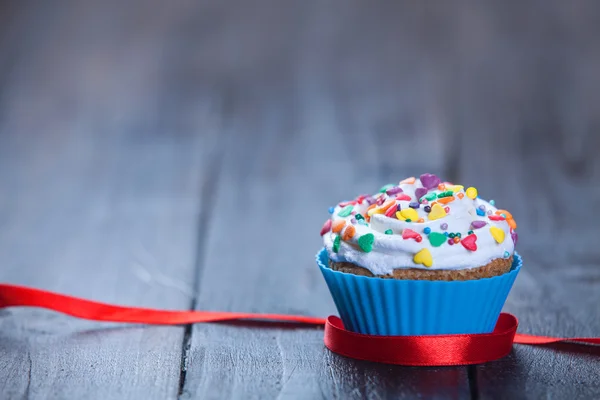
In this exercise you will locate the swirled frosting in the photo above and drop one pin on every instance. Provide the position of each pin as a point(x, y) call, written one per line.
point(419, 223)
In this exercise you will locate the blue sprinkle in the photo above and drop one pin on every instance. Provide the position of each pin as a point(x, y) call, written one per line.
point(446, 233)
point(480, 212)
point(493, 202)
point(506, 254)
point(427, 230)
point(331, 209)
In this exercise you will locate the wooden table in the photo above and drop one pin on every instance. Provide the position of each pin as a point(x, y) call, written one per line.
point(183, 155)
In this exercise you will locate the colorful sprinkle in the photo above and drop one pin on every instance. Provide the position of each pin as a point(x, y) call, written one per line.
point(497, 234)
point(444, 226)
point(427, 230)
point(447, 209)
point(394, 190)
point(344, 212)
point(496, 217)
point(452, 235)
point(414, 205)
point(489, 212)
point(326, 227)
point(430, 181)
point(346, 203)
point(436, 239)
point(390, 212)
point(420, 220)
point(470, 232)
point(407, 213)
point(427, 209)
point(337, 226)
point(481, 207)
point(430, 196)
point(469, 242)
point(348, 233)
point(365, 242)
point(441, 187)
point(492, 202)
point(423, 257)
point(420, 192)
point(398, 207)
point(456, 239)
point(408, 181)
point(480, 212)
point(450, 242)
point(336, 243)
point(403, 197)
point(446, 200)
point(331, 210)
point(460, 195)
point(515, 237)
point(447, 193)
point(386, 187)
point(457, 188)
point(506, 254)
point(353, 221)
point(511, 223)
point(409, 234)
point(359, 217)
point(437, 212)
point(471, 193)
point(478, 224)
point(389, 232)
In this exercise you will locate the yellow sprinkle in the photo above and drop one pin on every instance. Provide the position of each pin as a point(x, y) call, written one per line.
point(472, 193)
point(437, 212)
point(409, 213)
point(497, 234)
point(376, 210)
point(457, 188)
point(409, 181)
point(423, 257)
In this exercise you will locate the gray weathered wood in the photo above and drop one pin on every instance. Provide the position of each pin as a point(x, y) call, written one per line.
point(101, 175)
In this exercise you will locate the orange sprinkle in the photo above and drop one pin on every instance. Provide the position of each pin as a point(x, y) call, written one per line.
point(337, 226)
point(446, 200)
point(434, 203)
point(409, 181)
point(421, 220)
point(441, 186)
point(461, 195)
point(387, 205)
point(456, 239)
point(371, 206)
point(511, 223)
point(348, 233)
point(506, 213)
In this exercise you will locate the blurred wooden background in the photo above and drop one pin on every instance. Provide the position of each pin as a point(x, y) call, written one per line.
point(183, 155)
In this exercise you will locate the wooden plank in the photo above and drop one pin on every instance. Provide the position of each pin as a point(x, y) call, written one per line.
point(310, 136)
point(528, 137)
point(103, 164)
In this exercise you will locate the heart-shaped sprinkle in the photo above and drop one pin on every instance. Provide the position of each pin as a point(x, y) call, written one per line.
point(344, 212)
point(478, 224)
point(497, 234)
point(403, 197)
point(409, 234)
point(469, 242)
point(393, 190)
point(349, 232)
point(437, 212)
point(336, 244)
point(420, 192)
point(408, 181)
point(436, 239)
point(326, 227)
point(515, 237)
point(423, 257)
point(337, 226)
point(408, 213)
point(430, 181)
point(365, 242)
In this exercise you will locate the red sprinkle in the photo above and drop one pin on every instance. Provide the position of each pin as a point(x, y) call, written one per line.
point(403, 197)
point(326, 227)
point(496, 217)
point(410, 234)
point(447, 209)
point(391, 212)
point(419, 239)
point(469, 242)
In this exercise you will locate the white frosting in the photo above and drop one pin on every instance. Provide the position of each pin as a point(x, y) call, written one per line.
point(391, 252)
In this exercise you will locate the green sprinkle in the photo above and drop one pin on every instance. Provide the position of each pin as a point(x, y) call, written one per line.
point(458, 235)
point(389, 232)
point(470, 233)
point(344, 212)
point(336, 243)
point(447, 193)
point(386, 187)
point(359, 217)
point(451, 236)
point(436, 239)
point(430, 196)
point(408, 220)
point(365, 242)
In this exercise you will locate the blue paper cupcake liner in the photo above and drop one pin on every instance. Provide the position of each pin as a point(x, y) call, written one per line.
point(376, 306)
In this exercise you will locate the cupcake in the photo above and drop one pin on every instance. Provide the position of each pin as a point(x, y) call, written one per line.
point(419, 257)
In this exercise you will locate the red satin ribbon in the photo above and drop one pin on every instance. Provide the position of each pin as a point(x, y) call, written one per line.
point(434, 350)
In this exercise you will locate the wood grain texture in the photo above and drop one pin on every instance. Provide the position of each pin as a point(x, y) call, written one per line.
point(184, 155)
point(100, 196)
